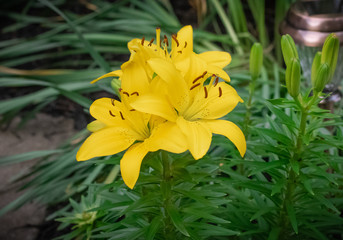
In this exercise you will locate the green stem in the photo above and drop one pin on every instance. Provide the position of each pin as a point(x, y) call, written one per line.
point(247, 117)
point(292, 176)
point(248, 106)
point(166, 194)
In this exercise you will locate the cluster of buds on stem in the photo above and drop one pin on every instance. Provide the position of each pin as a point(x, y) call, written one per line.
point(293, 69)
point(324, 63)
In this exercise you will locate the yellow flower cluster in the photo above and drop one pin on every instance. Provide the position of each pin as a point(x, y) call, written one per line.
point(170, 101)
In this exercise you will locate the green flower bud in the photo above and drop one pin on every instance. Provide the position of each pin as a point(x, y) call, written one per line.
point(315, 66)
point(288, 48)
point(115, 84)
point(293, 74)
point(330, 53)
point(322, 76)
point(256, 60)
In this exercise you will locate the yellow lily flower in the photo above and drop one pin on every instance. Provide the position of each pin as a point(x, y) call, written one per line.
point(192, 106)
point(180, 55)
point(118, 127)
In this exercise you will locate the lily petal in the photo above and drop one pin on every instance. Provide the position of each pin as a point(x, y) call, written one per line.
point(212, 69)
point(116, 73)
point(229, 130)
point(95, 126)
point(179, 93)
point(130, 164)
point(167, 136)
point(107, 111)
point(216, 58)
point(156, 105)
point(134, 78)
point(107, 141)
point(221, 100)
point(198, 135)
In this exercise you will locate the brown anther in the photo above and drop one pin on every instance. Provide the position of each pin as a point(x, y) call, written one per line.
point(175, 39)
point(132, 110)
point(195, 80)
point(120, 89)
point(185, 45)
point(121, 115)
point(201, 76)
point(179, 52)
point(165, 40)
point(220, 92)
point(112, 102)
point(111, 113)
point(126, 93)
point(206, 93)
point(194, 86)
point(151, 41)
point(142, 42)
point(135, 93)
point(216, 81)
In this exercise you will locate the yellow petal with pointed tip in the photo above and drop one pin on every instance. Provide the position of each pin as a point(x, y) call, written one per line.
point(218, 106)
point(185, 40)
point(107, 110)
point(216, 58)
point(107, 141)
point(130, 164)
point(167, 136)
point(95, 126)
point(134, 78)
point(229, 130)
point(198, 136)
point(156, 105)
point(218, 72)
point(116, 73)
point(178, 89)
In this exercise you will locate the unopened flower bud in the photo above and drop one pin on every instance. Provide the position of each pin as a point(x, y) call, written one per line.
point(115, 84)
point(322, 76)
point(330, 53)
point(288, 48)
point(293, 74)
point(315, 67)
point(256, 60)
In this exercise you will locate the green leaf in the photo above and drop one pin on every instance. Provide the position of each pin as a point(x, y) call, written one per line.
point(27, 156)
point(205, 215)
point(174, 215)
point(292, 216)
point(274, 233)
point(278, 186)
point(153, 227)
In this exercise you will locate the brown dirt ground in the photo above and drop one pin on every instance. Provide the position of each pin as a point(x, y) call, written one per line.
point(41, 133)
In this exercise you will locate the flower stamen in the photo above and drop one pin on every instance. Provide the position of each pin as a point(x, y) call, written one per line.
point(175, 39)
point(216, 81)
point(220, 92)
point(185, 45)
point(135, 93)
point(121, 115)
point(112, 102)
point(201, 76)
point(151, 41)
point(206, 93)
point(126, 93)
point(111, 113)
point(165, 40)
point(194, 86)
point(142, 42)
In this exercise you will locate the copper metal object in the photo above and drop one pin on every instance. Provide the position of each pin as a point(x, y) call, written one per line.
point(310, 21)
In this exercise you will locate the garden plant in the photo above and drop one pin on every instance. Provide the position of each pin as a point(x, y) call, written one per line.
point(205, 132)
